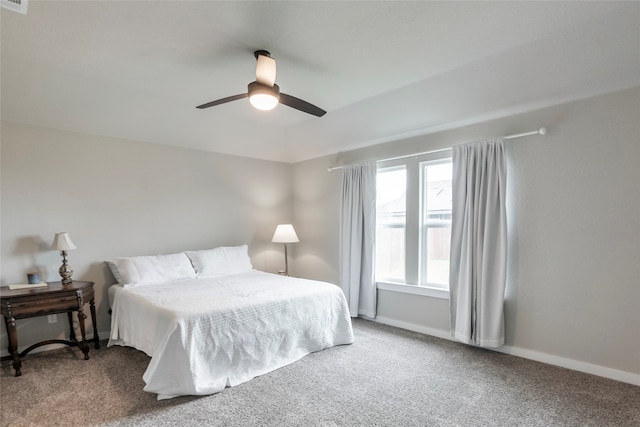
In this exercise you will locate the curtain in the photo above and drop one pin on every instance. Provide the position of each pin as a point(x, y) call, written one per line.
point(357, 237)
point(478, 243)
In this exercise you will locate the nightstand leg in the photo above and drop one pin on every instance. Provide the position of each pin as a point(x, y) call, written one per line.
point(72, 332)
point(96, 338)
point(83, 344)
point(13, 344)
point(9, 347)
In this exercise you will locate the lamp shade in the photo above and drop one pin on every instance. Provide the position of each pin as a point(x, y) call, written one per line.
point(62, 242)
point(285, 234)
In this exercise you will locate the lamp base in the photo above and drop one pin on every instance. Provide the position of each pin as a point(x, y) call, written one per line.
point(65, 271)
point(286, 261)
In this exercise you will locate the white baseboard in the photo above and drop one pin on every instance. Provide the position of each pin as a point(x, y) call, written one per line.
point(414, 327)
point(550, 359)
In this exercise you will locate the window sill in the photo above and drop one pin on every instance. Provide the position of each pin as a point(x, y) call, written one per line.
point(413, 289)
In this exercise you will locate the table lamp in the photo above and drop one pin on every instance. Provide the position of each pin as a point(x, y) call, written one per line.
point(62, 242)
point(285, 234)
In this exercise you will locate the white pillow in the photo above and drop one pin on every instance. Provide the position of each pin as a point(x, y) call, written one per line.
point(221, 261)
point(154, 269)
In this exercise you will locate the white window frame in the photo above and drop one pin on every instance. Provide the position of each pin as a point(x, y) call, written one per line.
point(413, 234)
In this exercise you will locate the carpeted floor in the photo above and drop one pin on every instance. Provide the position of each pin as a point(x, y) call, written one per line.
point(388, 377)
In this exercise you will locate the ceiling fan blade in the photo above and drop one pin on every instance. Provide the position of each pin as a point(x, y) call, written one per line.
point(299, 104)
point(265, 70)
point(223, 100)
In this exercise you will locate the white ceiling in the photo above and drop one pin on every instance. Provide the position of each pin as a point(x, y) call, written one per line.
point(382, 70)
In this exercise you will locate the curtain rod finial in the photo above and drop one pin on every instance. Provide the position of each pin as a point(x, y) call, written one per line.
point(543, 130)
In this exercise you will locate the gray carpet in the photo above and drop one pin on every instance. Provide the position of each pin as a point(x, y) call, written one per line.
point(388, 377)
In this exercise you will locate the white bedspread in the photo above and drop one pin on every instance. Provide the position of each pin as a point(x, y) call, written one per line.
point(206, 334)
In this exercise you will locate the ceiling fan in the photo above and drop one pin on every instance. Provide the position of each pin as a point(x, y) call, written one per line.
point(264, 93)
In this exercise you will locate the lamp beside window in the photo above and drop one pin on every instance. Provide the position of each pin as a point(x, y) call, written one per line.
point(62, 242)
point(285, 234)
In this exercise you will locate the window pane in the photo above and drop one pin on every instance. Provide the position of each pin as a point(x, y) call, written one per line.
point(436, 223)
point(438, 193)
point(391, 188)
point(390, 253)
point(438, 245)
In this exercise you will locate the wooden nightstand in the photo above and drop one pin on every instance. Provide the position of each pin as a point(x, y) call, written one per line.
point(53, 299)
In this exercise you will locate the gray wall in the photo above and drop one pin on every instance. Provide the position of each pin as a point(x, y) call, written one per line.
point(573, 293)
point(125, 198)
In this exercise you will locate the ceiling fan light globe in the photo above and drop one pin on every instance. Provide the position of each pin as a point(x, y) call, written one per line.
point(263, 101)
point(264, 97)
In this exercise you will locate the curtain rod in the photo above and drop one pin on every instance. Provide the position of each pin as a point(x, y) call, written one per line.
point(542, 131)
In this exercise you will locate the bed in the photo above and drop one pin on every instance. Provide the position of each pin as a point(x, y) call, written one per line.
point(209, 320)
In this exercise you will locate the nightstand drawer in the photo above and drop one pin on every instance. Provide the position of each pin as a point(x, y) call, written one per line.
point(29, 307)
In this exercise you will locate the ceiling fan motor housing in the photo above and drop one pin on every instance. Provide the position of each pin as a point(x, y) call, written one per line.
point(261, 52)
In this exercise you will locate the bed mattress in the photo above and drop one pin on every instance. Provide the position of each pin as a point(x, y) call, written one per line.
point(207, 334)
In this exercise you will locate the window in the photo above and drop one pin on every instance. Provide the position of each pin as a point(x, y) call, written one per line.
point(413, 224)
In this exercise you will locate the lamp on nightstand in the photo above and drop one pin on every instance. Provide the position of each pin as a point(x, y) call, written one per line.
point(285, 234)
point(62, 242)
